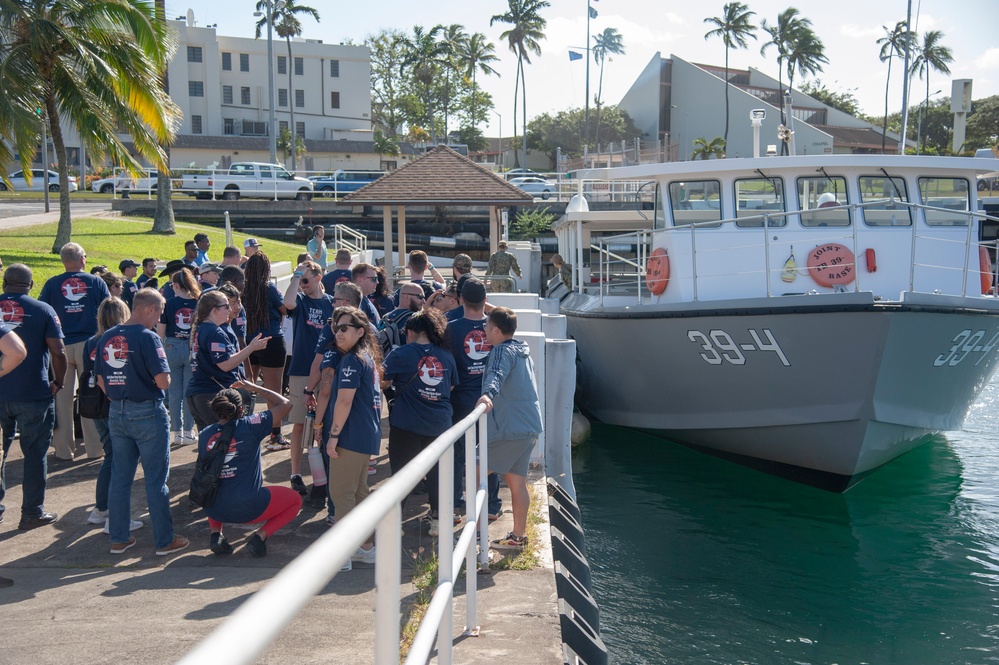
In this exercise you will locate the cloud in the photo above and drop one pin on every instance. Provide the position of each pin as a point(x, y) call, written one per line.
point(988, 60)
point(858, 32)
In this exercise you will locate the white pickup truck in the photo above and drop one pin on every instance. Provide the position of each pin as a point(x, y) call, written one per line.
point(246, 179)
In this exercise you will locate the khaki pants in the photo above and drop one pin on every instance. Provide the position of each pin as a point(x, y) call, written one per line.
point(348, 481)
point(64, 436)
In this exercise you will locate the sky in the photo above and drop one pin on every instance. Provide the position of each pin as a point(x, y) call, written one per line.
point(848, 29)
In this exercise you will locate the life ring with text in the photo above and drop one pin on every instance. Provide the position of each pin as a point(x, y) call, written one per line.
point(657, 271)
point(985, 269)
point(832, 264)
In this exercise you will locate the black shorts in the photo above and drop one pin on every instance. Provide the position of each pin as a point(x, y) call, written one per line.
point(273, 355)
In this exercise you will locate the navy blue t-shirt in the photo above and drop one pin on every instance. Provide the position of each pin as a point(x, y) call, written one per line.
point(383, 304)
point(242, 496)
point(334, 277)
point(167, 291)
point(129, 358)
point(275, 301)
point(470, 349)
point(310, 317)
point(128, 291)
point(178, 315)
point(212, 346)
point(455, 314)
point(369, 310)
point(436, 286)
point(423, 405)
point(238, 326)
point(34, 322)
point(362, 432)
point(75, 297)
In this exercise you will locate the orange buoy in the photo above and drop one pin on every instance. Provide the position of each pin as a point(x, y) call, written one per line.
point(985, 268)
point(657, 271)
point(832, 264)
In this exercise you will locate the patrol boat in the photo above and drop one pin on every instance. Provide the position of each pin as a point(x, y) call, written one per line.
point(812, 316)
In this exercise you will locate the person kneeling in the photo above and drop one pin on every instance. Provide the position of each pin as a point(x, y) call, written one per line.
point(242, 497)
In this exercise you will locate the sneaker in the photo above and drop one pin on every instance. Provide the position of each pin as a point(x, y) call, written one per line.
point(119, 548)
point(317, 498)
point(218, 544)
point(372, 470)
point(132, 525)
point(277, 443)
point(298, 485)
point(176, 439)
point(179, 543)
point(28, 523)
point(364, 556)
point(330, 521)
point(97, 516)
point(434, 528)
point(510, 542)
point(347, 566)
point(494, 516)
point(189, 437)
point(256, 545)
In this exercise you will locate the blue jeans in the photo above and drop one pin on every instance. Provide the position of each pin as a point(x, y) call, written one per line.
point(139, 430)
point(35, 421)
point(104, 475)
point(178, 352)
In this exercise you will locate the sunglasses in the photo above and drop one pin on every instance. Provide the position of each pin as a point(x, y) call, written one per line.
point(304, 281)
point(343, 327)
point(414, 295)
point(226, 306)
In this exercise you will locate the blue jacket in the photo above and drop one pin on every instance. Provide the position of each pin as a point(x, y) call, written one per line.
point(509, 382)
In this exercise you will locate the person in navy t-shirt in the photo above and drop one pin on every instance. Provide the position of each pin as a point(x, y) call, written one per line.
point(339, 274)
point(26, 394)
point(75, 296)
point(128, 269)
point(175, 330)
point(242, 497)
point(265, 312)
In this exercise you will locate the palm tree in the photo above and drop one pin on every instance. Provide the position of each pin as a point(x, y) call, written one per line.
point(893, 45)
point(790, 29)
point(806, 54)
point(452, 43)
point(163, 218)
point(95, 64)
point(705, 149)
point(286, 24)
point(734, 27)
point(928, 56)
point(523, 39)
point(424, 59)
point(478, 56)
point(606, 43)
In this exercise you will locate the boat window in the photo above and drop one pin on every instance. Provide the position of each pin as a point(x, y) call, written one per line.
point(823, 200)
point(695, 201)
point(757, 196)
point(660, 222)
point(877, 193)
point(950, 194)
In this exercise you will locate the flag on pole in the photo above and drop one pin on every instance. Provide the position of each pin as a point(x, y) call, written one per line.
point(593, 12)
point(575, 56)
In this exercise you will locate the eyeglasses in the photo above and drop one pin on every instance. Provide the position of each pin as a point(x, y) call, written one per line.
point(304, 281)
point(373, 278)
point(418, 296)
point(343, 327)
point(220, 306)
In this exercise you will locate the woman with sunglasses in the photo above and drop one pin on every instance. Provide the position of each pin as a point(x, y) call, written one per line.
point(382, 298)
point(350, 405)
point(217, 356)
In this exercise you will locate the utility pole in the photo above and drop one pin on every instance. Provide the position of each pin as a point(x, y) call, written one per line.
point(905, 68)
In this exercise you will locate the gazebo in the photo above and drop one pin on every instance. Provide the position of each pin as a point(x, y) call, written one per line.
point(442, 177)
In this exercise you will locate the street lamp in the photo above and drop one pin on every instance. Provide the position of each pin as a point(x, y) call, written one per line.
point(590, 14)
point(502, 154)
point(271, 118)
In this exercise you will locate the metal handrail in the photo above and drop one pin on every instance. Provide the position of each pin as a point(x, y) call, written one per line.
point(256, 623)
point(358, 242)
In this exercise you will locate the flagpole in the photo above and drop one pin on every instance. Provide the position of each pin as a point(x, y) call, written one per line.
point(905, 67)
point(586, 116)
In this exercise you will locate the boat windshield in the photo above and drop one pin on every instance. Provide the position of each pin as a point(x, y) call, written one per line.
point(877, 193)
point(949, 193)
point(695, 201)
point(822, 201)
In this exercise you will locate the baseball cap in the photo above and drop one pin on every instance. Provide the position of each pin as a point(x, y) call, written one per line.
point(473, 292)
point(127, 263)
point(462, 263)
point(251, 242)
point(209, 267)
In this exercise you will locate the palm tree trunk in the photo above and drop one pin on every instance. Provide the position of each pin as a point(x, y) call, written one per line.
point(600, 101)
point(163, 220)
point(291, 105)
point(884, 124)
point(726, 97)
point(926, 112)
point(516, 92)
point(523, 101)
point(64, 233)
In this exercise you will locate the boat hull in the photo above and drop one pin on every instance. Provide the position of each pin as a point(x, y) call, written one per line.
point(831, 391)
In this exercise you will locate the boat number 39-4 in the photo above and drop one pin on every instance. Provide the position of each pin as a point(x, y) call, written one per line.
point(965, 343)
point(719, 346)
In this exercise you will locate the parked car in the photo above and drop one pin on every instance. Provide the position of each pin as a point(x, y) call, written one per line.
point(534, 185)
point(246, 180)
point(988, 182)
point(338, 183)
point(123, 181)
point(37, 182)
point(521, 173)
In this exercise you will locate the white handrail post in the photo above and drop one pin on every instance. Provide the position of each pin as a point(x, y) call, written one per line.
point(766, 252)
point(388, 563)
point(693, 257)
point(445, 550)
point(213, 184)
point(471, 503)
point(967, 256)
point(483, 467)
point(912, 259)
point(856, 257)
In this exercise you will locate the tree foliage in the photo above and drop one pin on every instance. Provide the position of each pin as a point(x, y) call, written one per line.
point(705, 149)
point(531, 223)
point(564, 130)
point(735, 27)
point(844, 101)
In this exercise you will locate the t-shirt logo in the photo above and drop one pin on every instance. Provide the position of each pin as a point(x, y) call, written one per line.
point(74, 289)
point(116, 352)
point(232, 446)
point(476, 346)
point(431, 370)
point(11, 313)
point(183, 318)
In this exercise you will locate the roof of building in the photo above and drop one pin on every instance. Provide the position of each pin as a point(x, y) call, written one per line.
point(855, 137)
point(199, 141)
point(440, 177)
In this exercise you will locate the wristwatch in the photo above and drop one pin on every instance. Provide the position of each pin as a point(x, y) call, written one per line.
point(310, 393)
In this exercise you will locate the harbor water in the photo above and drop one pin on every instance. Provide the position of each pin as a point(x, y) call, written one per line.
point(699, 560)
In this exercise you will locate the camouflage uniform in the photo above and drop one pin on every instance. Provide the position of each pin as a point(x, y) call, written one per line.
point(500, 263)
point(565, 272)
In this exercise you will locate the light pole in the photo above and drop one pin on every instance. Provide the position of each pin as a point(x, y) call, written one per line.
point(590, 13)
point(502, 154)
point(271, 118)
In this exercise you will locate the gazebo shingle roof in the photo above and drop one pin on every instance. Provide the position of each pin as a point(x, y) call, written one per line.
point(440, 177)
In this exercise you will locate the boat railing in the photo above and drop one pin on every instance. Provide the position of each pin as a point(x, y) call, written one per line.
point(623, 258)
point(244, 635)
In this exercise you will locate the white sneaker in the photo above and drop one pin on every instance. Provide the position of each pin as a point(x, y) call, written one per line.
point(97, 516)
point(347, 566)
point(176, 439)
point(434, 528)
point(364, 556)
point(189, 437)
point(133, 525)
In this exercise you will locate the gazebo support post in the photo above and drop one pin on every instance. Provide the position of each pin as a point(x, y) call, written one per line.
point(387, 229)
point(403, 253)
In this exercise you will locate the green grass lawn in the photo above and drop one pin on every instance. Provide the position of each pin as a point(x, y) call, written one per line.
point(108, 241)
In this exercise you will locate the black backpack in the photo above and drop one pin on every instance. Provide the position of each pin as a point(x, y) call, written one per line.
point(205, 481)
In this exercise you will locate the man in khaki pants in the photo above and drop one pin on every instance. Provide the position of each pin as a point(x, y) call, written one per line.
point(75, 296)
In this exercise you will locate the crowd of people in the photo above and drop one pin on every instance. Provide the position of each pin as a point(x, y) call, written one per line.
point(181, 354)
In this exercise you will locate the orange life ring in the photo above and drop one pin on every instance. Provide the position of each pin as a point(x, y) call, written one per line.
point(832, 264)
point(985, 269)
point(657, 271)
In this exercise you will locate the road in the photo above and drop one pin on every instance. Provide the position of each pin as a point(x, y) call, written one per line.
point(36, 206)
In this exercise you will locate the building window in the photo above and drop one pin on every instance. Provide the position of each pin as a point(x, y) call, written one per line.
point(227, 94)
point(282, 64)
point(300, 129)
point(195, 124)
point(244, 62)
point(335, 68)
point(228, 126)
point(334, 100)
point(244, 96)
point(299, 98)
point(282, 97)
point(299, 67)
point(194, 54)
point(282, 125)
point(226, 62)
point(195, 88)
